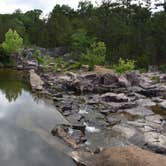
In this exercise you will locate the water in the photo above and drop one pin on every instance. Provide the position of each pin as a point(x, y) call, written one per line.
point(25, 124)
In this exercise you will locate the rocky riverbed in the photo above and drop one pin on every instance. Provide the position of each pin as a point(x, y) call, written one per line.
point(105, 109)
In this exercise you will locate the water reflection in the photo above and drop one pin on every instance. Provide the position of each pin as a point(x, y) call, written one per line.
point(25, 124)
point(12, 84)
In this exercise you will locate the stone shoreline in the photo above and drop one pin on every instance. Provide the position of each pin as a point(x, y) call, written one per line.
point(105, 109)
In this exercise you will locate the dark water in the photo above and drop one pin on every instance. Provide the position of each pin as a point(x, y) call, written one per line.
point(25, 124)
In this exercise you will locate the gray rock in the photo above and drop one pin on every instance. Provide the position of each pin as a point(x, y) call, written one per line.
point(35, 80)
point(163, 105)
point(133, 77)
point(125, 130)
point(108, 79)
point(112, 120)
point(138, 111)
point(145, 102)
point(123, 81)
point(113, 97)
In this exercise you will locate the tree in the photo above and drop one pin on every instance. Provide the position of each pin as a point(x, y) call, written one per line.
point(95, 55)
point(13, 42)
point(59, 26)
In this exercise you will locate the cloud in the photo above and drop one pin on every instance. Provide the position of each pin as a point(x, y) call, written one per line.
point(9, 6)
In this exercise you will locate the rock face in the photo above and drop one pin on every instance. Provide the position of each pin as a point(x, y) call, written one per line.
point(119, 156)
point(35, 81)
point(55, 52)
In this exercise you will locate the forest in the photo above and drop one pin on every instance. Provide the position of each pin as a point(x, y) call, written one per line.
point(120, 29)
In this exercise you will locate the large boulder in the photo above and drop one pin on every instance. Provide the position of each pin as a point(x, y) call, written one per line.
point(35, 80)
point(124, 82)
point(119, 156)
point(108, 79)
point(133, 77)
point(28, 65)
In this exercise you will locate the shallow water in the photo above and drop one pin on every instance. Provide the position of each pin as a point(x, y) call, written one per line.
point(25, 124)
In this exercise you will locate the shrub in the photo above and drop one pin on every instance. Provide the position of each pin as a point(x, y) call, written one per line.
point(124, 66)
point(38, 57)
point(155, 79)
point(13, 42)
point(95, 55)
point(60, 64)
point(162, 68)
point(47, 60)
point(74, 66)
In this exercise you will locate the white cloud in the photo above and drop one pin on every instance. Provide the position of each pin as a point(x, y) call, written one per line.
point(9, 6)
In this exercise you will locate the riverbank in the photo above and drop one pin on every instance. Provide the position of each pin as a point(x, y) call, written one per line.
point(105, 109)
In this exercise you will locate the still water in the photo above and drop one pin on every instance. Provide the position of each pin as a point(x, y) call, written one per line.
point(25, 124)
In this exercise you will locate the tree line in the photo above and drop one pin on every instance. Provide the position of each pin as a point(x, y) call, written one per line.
point(128, 30)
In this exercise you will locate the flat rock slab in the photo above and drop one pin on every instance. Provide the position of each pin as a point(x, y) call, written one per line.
point(140, 111)
point(35, 80)
point(120, 156)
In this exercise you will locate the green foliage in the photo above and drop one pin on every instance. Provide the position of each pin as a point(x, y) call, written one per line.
point(80, 41)
point(95, 55)
point(162, 68)
point(129, 30)
point(13, 42)
point(155, 79)
point(143, 70)
point(143, 61)
point(60, 65)
point(124, 66)
point(38, 57)
point(75, 66)
point(47, 61)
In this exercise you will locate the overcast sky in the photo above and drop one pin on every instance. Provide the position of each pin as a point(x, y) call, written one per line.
point(8, 6)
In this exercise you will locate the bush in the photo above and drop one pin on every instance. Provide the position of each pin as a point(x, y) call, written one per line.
point(13, 42)
point(155, 79)
point(162, 68)
point(124, 66)
point(75, 65)
point(38, 57)
point(60, 65)
point(95, 55)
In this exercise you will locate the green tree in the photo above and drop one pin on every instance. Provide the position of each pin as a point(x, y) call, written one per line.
point(80, 41)
point(13, 42)
point(95, 55)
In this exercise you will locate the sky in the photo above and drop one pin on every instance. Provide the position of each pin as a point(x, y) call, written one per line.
point(9, 6)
